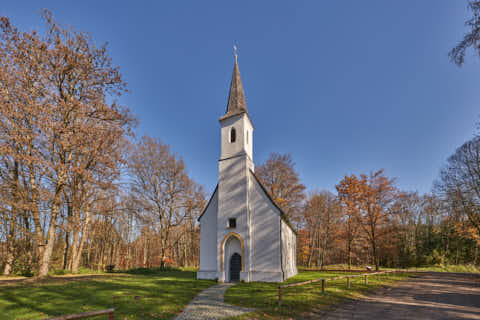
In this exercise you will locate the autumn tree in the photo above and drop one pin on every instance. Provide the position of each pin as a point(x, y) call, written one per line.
point(57, 122)
point(163, 191)
point(321, 218)
point(282, 182)
point(367, 200)
point(348, 195)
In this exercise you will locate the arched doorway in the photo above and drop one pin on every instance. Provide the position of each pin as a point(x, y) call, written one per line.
point(232, 251)
point(235, 267)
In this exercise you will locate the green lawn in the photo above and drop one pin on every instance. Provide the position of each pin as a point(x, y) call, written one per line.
point(154, 296)
point(300, 300)
point(461, 268)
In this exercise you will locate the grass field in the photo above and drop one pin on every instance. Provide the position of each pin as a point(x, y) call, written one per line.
point(461, 268)
point(158, 295)
point(152, 294)
point(449, 268)
point(300, 300)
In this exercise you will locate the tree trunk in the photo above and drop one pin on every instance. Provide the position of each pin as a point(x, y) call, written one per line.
point(65, 250)
point(476, 254)
point(375, 257)
point(78, 255)
point(145, 251)
point(9, 246)
point(310, 254)
point(52, 230)
point(8, 263)
point(76, 235)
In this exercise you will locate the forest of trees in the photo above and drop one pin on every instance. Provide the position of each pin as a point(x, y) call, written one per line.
point(79, 190)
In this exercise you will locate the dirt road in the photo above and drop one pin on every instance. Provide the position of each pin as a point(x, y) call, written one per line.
point(428, 296)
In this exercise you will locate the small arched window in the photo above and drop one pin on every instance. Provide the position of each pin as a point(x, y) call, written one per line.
point(247, 136)
point(233, 135)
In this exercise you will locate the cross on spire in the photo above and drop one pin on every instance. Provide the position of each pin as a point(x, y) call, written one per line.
point(236, 99)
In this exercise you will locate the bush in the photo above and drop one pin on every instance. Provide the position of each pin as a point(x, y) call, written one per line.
point(435, 258)
point(59, 272)
point(25, 271)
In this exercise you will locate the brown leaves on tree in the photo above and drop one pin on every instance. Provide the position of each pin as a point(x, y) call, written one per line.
point(61, 138)
point(366, 200)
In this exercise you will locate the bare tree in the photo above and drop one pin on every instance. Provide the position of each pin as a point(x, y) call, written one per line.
point(471, 38)
point(282, 182)
point(322, 218)
point(162, 188)
point(459, 181)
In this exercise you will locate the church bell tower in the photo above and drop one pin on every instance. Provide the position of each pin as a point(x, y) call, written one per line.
point(234, 164)
point(236, 126)
point(244, 234)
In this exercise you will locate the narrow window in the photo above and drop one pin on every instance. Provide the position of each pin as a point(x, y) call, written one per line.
point(247, 136)
point(233, 135)
point(232, 223)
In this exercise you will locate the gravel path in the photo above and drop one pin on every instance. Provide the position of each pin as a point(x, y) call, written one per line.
point(209, 304)
point(429, 296)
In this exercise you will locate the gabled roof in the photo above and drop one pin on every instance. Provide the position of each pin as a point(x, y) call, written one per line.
point(282, 214)
point(208, 203)
point(236, 98)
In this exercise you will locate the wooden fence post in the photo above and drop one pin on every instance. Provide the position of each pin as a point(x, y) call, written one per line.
point(366, 279)
point(279, 296)
point(348, 282)
point(110, 316)
point(323, 286)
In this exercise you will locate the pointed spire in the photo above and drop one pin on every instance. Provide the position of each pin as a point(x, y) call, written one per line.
point(236, 98)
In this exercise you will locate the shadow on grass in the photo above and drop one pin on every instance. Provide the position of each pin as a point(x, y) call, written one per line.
point(134, 297)
point(301, 299)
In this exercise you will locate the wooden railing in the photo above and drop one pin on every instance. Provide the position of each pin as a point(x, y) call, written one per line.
point(324, 280)
point(84, 315)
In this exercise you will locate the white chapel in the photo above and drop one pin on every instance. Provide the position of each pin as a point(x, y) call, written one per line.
point(244, 235)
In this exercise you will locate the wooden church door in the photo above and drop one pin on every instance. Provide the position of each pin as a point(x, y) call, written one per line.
point(235, 267)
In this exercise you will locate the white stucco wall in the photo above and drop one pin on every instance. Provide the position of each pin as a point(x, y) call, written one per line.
point(265, 232)
point(232, 203)
point(289, 242)
point(243, 127)
point(208, 240)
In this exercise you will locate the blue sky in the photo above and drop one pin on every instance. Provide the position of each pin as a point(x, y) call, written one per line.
point(344, 86)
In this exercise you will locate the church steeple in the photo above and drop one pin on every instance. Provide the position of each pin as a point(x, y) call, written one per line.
point(236, 126)
point(236, 99)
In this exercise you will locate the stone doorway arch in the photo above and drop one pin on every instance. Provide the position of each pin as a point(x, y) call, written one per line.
point(232, 244)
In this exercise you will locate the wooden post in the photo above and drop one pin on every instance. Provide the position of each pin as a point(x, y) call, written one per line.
point(84, 315)
point(279, 296)
point(348, 282)
point(323, 286)
point(366, 279)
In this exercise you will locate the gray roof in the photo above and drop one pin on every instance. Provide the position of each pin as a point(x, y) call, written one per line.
point(236, 99)
point(283, 215)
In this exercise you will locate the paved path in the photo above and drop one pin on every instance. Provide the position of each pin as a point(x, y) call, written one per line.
point(429, 296)
point(209, 304)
